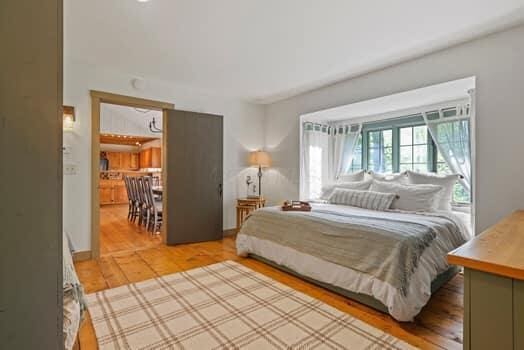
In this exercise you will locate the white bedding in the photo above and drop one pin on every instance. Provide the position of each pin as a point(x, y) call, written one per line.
point(403, 308)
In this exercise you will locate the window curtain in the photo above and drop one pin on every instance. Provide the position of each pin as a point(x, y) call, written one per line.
point(452, 138)
point(344, 142)
point(315, 163)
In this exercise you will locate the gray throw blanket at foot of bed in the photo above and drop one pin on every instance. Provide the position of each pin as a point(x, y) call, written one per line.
point(386, 245)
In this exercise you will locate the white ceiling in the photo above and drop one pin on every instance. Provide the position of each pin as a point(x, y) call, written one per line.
point(400, 103)
point(266, 50)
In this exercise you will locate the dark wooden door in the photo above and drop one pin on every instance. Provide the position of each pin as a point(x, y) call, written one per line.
point(194, 177)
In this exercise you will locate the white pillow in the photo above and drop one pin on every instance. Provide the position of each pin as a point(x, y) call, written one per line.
point(410, 197)
point(446, 181)
point(357, 185)
point(394, 177)
point(362, 199)
point(358, 176)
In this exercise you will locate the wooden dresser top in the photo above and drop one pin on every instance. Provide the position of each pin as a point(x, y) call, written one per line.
point(498, 250)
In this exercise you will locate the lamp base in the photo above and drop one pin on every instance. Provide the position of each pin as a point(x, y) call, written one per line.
point(259, 181)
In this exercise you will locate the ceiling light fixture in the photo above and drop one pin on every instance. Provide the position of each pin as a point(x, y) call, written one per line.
point(153, 128)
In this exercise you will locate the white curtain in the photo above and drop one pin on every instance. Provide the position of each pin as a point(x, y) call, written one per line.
point(452, 137)
point(344, 142)
point(327, 153)
point(315, 162)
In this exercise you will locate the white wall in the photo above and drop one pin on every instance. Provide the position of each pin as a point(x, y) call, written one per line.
point(243, 131)
point(497, 61)
point(123, 120)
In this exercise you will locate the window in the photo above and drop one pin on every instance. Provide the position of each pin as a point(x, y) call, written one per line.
point(457, 132)
point(414, 149)
point(315, 171)
point(460, 194)
point(405, 144)
point(356, 162)
point(380, 151)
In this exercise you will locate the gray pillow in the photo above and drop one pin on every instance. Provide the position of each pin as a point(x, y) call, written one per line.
point(362, 199)
point(357, 185)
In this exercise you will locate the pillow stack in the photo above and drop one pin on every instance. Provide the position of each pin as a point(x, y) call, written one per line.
point(447, 182)
point(407, 191)
point(410, 197)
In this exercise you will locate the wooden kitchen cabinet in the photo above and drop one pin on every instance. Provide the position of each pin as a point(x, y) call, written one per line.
point(156, 157)
point(114, 160)
point(106, 192)
point(112, 192)
point(119, 193)
point(135, 161)
point(125, 160)
point(145, 158)
point(151, 158)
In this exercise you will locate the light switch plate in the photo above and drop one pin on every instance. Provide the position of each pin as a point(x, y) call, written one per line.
point(70, 169)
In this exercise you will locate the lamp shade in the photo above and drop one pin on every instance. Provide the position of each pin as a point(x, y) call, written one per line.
point(68, 117)
point(259, 159)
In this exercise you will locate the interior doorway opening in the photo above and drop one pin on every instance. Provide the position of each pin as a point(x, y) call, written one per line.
point(128, 173)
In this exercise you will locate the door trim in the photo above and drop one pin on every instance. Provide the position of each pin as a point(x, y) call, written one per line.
point(97, 98)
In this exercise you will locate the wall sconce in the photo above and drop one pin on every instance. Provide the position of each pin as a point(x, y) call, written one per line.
point(69, 117)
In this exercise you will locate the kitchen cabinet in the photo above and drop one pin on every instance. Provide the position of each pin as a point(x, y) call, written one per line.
point(123, 160)
point(106, 192)
point(145, 158)
point(114, 160)
point(151, 158)
point(156, 157)
point(135, 161)
point(119, 193)
point(112, 192)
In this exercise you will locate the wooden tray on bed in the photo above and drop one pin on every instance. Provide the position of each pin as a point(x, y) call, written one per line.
point(296, 206)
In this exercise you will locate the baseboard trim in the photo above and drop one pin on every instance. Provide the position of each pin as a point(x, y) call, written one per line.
point(82, 255)
point(229, 232)
point(86, 254)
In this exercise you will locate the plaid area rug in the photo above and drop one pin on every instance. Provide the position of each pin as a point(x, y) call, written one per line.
point(224, 306)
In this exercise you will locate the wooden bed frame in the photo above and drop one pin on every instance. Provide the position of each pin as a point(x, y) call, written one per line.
point(365, 299)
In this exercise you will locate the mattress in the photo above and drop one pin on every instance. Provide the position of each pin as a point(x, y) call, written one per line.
point(402, 306)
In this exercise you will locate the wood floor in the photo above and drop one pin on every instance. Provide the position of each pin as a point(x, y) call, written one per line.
point(117, 234)
point(438, 326)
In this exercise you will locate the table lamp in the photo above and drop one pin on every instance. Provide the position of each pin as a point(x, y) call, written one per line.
point(261, 160)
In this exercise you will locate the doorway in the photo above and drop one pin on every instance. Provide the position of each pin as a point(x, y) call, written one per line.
point(192, 156)
point(122, 154)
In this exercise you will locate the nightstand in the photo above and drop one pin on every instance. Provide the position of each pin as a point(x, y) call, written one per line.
point(246, 206)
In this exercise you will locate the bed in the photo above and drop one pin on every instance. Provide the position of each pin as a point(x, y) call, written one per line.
point(390, 260)
point(74, 303)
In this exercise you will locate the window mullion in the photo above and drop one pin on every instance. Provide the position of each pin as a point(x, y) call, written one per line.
point(433, 151)
point(396, 148)
point(365, 150)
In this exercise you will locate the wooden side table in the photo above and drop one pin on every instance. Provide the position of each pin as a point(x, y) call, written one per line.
point(246, 206)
